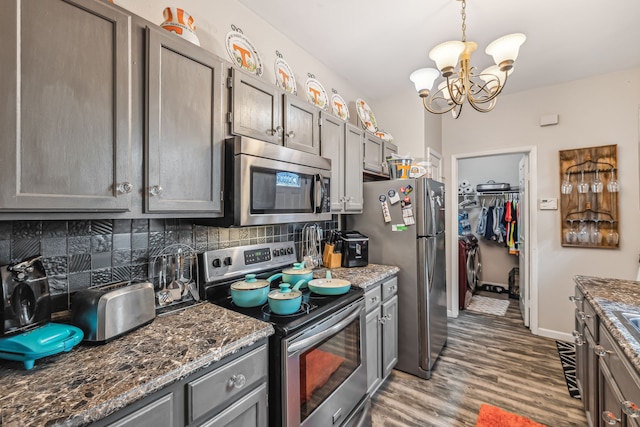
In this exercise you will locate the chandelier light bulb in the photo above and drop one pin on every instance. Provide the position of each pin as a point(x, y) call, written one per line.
point(446, 56)
point(423, 80)
point(505, 50)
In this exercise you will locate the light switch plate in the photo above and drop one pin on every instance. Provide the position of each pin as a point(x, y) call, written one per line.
point(549, 204)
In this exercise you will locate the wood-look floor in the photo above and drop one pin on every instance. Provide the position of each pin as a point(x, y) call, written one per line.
point(487, 359)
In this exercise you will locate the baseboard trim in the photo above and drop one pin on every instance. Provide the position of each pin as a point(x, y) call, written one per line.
point(556, 335)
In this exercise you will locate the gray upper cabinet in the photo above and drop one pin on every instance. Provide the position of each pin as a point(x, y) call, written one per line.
point(184, 126)
point(388, 149)
point(255, 108)
point(301, 125)
point(260, 110)
point(66, 115)
point(372, 153)
point(342, 143)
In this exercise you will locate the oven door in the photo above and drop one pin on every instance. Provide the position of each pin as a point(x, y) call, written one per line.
point(325, 370)
point(273, 192)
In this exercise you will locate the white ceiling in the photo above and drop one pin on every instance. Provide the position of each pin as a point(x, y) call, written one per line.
point(376, 44)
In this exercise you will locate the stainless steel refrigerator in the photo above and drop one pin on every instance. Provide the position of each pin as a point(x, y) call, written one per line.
point(419, 251)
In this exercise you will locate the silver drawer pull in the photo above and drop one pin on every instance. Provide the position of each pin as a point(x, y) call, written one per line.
point(125, 188)
point(374, 299)
point(156, 190)
point(578, 338)
point(630, 409)
point(601, 351)
point(237, 381)
point(610, 418)
point(575, 299)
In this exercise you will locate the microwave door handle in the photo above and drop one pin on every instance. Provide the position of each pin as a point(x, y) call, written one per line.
point(314, 339)
point(323, 191)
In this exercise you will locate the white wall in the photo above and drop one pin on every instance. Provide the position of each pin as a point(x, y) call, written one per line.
point(595, 111)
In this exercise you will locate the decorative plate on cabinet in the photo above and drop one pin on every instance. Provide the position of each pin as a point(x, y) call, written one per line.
point(315, 93)
point(243, 54)
point(284, 76)
point(339, 107)
point(179, 22)
point(366, 116)
point(385, 136)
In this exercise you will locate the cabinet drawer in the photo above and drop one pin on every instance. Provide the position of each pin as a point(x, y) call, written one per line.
point(156, 414)
point(591, 319)
point(389, 288)
point(372, 298)
point(623, 374)
point(218, 387)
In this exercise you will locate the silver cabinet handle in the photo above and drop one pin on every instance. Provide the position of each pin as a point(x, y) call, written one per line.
point(236, 381)
point(373, 299)
point(601, 351)
point(156, 190)
point(630, 409)
point(583, 315)
point(291, 134)
point(392, 288)
point(575, 299)
point(610, 418)
point(125, 187)
point(579, 338)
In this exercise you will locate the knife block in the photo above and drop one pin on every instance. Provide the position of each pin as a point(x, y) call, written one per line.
point(331, 259)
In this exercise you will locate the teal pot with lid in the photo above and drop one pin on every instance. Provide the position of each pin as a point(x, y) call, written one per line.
point(251, 292)
point(285, 300)
point(293, 275)
point(329, 286)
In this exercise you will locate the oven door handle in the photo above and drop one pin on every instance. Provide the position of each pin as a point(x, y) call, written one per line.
point(308, 342)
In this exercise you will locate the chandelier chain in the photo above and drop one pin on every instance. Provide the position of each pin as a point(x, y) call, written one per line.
point(464, 19)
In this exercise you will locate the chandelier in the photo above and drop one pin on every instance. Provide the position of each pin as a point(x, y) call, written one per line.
point(464, 84)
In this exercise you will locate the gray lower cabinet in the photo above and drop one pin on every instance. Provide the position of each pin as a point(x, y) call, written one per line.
point(260, 110)
point(233, 392)
point(184, 126)
point(381, 305)
point(66, 110)
point(342, 143)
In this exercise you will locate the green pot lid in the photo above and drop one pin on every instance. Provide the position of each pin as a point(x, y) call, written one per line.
point(298, 268)
point(284, 293)
point(249, 283)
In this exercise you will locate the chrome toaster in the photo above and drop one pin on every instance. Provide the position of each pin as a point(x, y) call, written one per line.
point(108, 312)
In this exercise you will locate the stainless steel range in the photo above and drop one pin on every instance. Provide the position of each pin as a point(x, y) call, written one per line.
point(317, 366)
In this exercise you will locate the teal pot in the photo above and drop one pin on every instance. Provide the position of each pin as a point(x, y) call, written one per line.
point(251, 292)
point(329, 286)
point(285, 300)
point(296, 273)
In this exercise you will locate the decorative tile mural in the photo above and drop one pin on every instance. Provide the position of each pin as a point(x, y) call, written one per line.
point(79, 254)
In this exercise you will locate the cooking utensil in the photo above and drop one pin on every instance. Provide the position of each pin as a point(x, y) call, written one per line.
point(175, 286)
point(285, 300)
point(251, 292)
point(164, 296)
point(329, 286)
point(191, 284)
point(298, 272)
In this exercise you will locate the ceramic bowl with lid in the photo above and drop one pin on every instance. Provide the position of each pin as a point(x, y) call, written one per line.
point(251, 292)
point(285, 300)
point(293, 275)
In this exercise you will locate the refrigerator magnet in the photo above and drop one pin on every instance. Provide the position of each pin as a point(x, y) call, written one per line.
point(407, 212)
point(385, 208)
point(393, 196)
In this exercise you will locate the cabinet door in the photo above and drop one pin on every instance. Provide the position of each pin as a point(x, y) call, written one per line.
point(389, 335)
point(249, 411)
point(389, 148)
point(610, 398)
point(66, 110)
point(301, 125)
point(590, 384)
point(332, 140)
point(255, 108)
point(372, 153)
point(184, 137)
point(374, 368)
point(158, 413)
point(581, 357)
point(353, 169)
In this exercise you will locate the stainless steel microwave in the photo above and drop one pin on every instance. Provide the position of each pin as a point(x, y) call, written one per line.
point(267, 183)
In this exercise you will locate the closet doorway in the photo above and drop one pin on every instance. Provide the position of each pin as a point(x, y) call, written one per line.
point(507, 255)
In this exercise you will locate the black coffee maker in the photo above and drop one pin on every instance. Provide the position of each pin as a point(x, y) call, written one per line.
point(24, 296)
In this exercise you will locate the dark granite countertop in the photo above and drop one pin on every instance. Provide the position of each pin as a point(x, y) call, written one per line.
point(362, 277)
point(608, 296)
point(92, 382)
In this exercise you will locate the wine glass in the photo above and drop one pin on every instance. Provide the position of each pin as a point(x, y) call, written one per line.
point(583, 186)
point(566, 186)
point(596, 184)
point(596, 235)
point(571, 236)
point(583, 235)
point(613, 186)
point(612, 235)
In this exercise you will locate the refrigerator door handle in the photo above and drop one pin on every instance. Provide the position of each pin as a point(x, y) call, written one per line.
point(431, 260)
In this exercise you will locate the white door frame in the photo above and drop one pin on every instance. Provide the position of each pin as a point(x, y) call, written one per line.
point(532, 242)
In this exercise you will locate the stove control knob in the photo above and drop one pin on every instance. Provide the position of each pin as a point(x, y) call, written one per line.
point(275, 252)
point(227, 261)
point(289, 251)
point(216, 263)
point(282, 251)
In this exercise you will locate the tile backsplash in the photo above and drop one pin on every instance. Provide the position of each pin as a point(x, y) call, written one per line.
point(78, 254)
